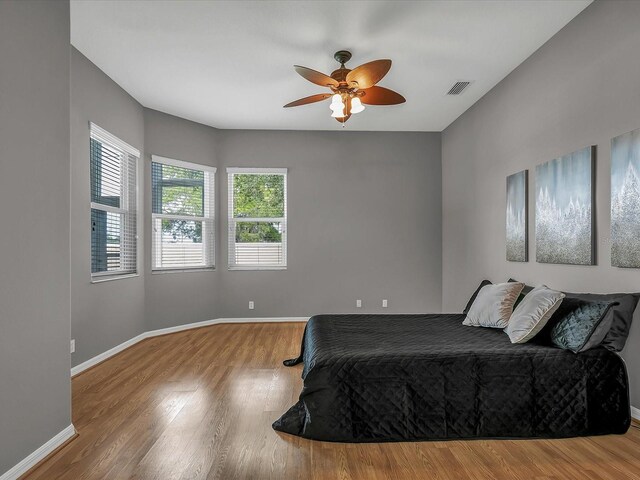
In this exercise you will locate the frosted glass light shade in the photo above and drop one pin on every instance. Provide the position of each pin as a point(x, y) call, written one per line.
point(356, 105)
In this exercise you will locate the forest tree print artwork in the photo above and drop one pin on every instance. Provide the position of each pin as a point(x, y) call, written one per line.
point(564, 207)
point(517, 220)
point(625, 200)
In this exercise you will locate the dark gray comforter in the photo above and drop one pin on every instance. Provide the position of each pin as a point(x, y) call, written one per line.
point(372, 378)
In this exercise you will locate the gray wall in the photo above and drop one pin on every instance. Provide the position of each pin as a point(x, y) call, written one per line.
point(178, 298)
point(35, 394)
point(104, 314)
point(579, 89)
point(364, 222)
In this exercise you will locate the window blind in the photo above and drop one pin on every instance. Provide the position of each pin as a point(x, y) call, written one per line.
point(182, 196)
point(113, 177)
point(257, 218)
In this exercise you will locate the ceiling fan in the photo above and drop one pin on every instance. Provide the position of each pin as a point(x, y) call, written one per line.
point(350, 89)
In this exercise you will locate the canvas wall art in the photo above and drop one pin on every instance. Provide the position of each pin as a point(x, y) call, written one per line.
point(517, 217)
point(625, 200)
point(565, 230)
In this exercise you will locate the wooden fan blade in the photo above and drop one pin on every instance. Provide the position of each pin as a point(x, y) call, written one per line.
point(367, 75)
point(311, 99)
point(381, 96)
point(315, 77)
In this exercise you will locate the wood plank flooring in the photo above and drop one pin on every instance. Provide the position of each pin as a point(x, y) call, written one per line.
point(199, 405)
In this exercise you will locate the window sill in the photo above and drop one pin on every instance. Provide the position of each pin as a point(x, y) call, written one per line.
point(110, 278)
point(162, 271)
point(256, 268)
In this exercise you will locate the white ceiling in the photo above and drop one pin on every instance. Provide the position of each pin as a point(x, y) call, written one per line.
point(229, 64)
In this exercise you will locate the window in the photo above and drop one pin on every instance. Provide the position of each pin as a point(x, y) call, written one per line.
point(257, 218)
point(183, 218)
point(113, 175)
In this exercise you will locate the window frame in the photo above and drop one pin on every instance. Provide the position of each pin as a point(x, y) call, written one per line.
point(231, 220)
point(101, 135)
point(167, 216)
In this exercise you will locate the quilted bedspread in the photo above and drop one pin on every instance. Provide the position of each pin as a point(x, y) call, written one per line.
point(377, 378)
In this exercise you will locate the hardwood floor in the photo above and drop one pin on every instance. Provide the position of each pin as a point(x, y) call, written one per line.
point(199, 404)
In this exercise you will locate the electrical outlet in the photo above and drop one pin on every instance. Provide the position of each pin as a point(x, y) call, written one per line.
point(358, 303)
point(384, 304)
point(251, 305)
point(73, 345)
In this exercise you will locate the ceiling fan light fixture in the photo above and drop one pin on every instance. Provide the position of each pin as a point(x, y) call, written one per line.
point(356, 105)
point(337, 106)
point(336, 102)
point(338, 113)
point(350, 89)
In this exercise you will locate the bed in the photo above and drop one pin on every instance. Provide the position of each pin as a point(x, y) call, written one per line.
point(383, 378)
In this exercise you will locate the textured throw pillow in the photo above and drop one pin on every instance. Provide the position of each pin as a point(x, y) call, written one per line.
point(533, 313)
point(475, 294)
point(578, 331)
point(619, 317)
point(494, 305)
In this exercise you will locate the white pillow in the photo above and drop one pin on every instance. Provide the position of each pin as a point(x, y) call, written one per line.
point(493, 305)
point(533, 313)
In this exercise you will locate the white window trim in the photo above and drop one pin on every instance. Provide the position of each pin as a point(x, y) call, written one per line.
point(212, 219)
point(249, 170)
point(162, 271)
point(101, 277)
point(182, 164)
point(100, 134)
point(231, 220)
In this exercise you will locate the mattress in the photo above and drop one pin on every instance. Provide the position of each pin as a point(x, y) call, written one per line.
point(380, 378)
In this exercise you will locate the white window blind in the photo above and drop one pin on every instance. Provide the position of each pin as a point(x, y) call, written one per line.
point(183, 214)
point(257, 218)
point(113, 175)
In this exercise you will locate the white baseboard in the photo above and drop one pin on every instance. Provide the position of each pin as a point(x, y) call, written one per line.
point(216, 321)
point(179, 328)
point(37, 456)
point(635, 413)
point(104, 355)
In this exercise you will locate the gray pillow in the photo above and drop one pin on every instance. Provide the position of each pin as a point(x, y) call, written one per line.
point(533, 313)
point(619, 318)
point(578, 331)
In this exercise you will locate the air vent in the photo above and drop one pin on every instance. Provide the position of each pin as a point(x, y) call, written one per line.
point(458, 88)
